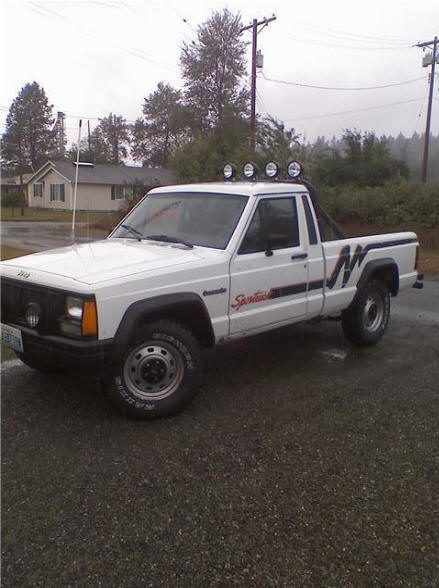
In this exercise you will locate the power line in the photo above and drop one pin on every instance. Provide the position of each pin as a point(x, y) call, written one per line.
point(181, 17)
point(339, 88)
point(304, 39)
point(134, 51)
point(353, 111)
point(353, 36)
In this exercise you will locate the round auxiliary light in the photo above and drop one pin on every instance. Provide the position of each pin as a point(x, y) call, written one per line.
point(294, 169)
point(249, 170)
point(229, 171)
point(271, 170)
point(33, 314)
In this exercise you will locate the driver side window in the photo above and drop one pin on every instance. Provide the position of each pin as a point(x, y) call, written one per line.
point(274, 226)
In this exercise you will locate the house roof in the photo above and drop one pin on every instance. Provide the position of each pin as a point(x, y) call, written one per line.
point(107, 173)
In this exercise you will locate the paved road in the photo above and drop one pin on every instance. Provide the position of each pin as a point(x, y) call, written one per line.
point(38, 235)
point(303, 462)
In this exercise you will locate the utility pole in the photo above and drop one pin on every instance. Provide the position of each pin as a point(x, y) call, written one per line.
point(431, 45)
point(89, 138)
point(254, 28)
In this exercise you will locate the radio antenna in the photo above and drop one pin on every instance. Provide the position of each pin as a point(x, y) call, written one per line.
point(76, 182)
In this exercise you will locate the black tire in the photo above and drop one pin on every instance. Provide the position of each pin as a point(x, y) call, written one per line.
point(36, 363)
point(366, 320)
point(159, 373)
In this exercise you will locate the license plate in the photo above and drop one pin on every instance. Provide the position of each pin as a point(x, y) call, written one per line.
point(11, 337)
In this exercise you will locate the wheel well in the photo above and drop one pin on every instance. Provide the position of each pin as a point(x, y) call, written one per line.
point(191, 315)
point(389, 275)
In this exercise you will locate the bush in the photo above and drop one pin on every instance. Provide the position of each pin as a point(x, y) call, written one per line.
point(389, 205)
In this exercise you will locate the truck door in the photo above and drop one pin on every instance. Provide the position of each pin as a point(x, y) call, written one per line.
point(269, 273)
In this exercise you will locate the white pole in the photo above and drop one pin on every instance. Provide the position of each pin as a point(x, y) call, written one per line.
point(76, 182)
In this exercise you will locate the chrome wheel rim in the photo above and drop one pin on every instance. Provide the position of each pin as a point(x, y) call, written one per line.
point(153, 371)
point(373, 313)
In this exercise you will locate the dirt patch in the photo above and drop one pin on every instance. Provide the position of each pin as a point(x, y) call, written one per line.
point(7, 252)
point(429, 262)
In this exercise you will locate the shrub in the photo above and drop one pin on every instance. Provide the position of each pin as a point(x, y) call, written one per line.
point(389, 205)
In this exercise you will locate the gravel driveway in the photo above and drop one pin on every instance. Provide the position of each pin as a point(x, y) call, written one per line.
point(303, 462)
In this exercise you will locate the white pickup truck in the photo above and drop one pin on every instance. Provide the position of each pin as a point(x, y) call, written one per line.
point(189, 267)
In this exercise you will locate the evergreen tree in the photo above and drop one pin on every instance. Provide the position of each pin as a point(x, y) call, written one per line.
point(213, 68)
point(109, 140)
point(28, 140)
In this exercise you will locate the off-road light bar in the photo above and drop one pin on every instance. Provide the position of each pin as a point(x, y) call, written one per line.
point(294, 169)
point(229, 171)
point(271, 170)
point(250, 170)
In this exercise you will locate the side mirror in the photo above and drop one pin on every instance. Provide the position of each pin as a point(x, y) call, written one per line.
point(268, 249)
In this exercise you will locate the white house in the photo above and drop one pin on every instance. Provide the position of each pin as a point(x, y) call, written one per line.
point(101, 186)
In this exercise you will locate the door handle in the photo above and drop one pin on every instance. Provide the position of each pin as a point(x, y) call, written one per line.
point(299, 256)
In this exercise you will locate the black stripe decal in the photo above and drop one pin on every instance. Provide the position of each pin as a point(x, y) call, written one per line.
point(292, 289)
point(345, 261)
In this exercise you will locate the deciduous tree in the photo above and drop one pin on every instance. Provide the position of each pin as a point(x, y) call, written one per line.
point(110, 138)
point(163, 128)
point(213, 68)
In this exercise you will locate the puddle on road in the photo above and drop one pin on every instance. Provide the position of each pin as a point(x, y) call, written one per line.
point(335, 355)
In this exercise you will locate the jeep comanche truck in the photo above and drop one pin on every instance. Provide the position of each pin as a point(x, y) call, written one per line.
point(189, 267)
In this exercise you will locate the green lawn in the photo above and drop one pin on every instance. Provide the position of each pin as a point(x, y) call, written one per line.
point(9, 213)
point(6, 354)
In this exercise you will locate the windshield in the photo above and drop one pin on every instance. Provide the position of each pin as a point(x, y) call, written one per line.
point(196, 218)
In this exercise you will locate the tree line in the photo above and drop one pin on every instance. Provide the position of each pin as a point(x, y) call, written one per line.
point(193, 131)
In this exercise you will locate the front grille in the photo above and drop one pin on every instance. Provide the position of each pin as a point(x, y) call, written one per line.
point(15, 296)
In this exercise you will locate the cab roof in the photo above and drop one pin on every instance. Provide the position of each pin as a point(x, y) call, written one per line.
point(238, 188)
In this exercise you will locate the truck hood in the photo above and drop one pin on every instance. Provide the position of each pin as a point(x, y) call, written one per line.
point(91, 263)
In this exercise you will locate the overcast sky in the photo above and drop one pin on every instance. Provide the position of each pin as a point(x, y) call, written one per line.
point(93, 57)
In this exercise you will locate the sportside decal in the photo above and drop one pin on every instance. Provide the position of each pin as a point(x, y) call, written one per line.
point(344, 259)
point(279, 292)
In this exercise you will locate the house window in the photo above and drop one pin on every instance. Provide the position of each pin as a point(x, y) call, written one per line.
point(57, 192)
point(121, 192)
point(38, 190)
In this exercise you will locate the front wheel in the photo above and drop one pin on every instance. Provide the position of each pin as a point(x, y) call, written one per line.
point(365, 321)
point(159, 373)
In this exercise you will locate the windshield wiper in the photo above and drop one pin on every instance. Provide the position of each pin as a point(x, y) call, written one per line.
point(169, 239)
point(132, 230)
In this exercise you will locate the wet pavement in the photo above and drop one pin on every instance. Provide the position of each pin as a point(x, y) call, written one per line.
point(40, 235)
point(304, 461)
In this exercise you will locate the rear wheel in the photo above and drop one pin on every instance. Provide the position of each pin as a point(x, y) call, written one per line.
point(159, 373)
point(366, 320)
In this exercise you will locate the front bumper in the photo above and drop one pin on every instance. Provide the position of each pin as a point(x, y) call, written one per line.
point(64, 352)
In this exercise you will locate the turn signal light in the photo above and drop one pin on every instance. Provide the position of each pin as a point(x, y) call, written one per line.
point(89, 319)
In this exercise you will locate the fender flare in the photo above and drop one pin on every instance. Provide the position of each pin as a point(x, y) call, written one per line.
point(379, 266)
point(157, 304)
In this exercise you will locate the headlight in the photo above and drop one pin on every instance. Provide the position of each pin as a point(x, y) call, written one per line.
point(80, 319)
point(74, 307)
